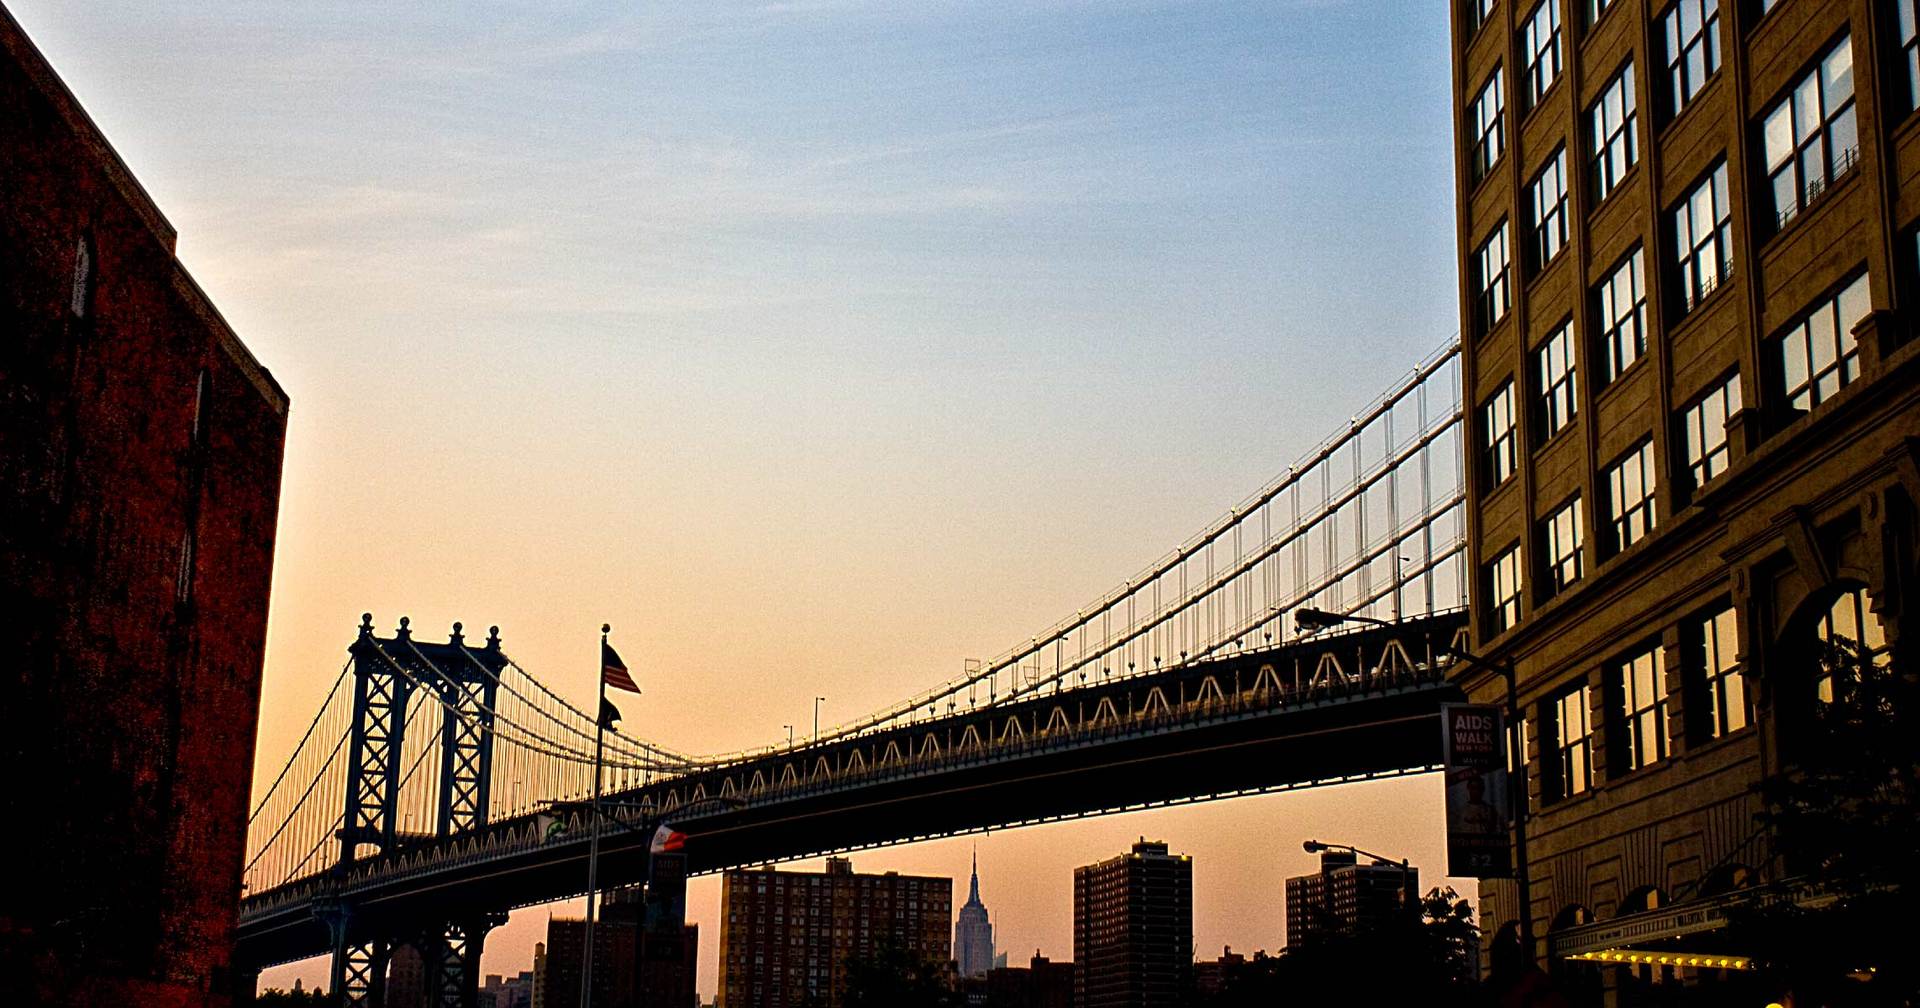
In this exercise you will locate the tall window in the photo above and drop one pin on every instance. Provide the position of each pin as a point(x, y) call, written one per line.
point(1500, 455)
point(1611, 132)
point(82, 295)
point(1631, 483)
point(1489, 136)
point(1810, 137)
point(1477, 13)
point(1818, 355)
point(1692, 33)
point(1622, 303)
point(1547, 211)
point(1909, 49)
point(1503, 590)
point(1491, 296)
point(1721, 686)
point(1561, 534)
point(1642, 685)
point(1540, 47)
point(1705, 431)
point(1703, 237)
point(1572, 742)
point(1559, 384)
point(1855, 637)
point(1595, 8)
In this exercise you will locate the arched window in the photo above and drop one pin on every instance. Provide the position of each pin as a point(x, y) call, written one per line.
point(1642, 900)
point(1848, 638)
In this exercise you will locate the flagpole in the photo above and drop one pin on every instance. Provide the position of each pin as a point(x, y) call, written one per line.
point(593, 841)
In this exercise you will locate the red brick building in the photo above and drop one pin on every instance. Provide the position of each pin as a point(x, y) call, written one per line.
point(140, 451)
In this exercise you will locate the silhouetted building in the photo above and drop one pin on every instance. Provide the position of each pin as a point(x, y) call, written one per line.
point(1687, 255)
point(406, 977)
point(644, 952)
point(1042, 983)
point(1345, 897)
point(140, 451)
point(972, 933)
point(505, 992)
point(1133, 929)
point(787, 936)
point(1210, 976)
point(614, 949)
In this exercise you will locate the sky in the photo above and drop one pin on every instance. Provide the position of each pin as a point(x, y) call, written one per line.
point(816, 346)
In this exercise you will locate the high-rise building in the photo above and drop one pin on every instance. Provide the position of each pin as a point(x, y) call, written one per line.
point(1346, 897)
point(972, 933)
point(786, 937)
point(1689, 264)
point(140, 451)
point(1133, 929)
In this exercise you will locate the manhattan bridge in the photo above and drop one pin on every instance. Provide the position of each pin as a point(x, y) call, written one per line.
point(441, 784)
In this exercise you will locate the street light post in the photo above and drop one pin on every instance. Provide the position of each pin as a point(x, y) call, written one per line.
point(816, 717)
point(1318, 619)
point(1407, 894)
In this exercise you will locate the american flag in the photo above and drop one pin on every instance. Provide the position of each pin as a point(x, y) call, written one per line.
point(613, 671)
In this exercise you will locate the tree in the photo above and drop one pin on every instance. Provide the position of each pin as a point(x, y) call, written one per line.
point(291, 999)
point(1424, 956)
point(1845, 821)
point(894, 977)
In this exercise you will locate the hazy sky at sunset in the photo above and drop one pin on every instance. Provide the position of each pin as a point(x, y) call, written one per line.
point(817, 346)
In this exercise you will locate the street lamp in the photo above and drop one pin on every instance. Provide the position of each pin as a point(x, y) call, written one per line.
point(1407, 894)
point(1320, 619)
point(816, 717)
point(789, 729)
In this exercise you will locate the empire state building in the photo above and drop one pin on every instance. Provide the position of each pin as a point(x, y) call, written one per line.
point(972, 935)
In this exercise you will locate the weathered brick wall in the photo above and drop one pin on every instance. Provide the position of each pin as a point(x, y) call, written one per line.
point(127, 714)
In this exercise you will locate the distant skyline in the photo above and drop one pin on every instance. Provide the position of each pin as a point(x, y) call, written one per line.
point(816, 346)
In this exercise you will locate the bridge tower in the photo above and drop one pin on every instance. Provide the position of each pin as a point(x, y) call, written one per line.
point(389, 674)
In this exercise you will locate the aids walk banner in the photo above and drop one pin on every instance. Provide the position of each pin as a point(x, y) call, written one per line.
point(1477, 806)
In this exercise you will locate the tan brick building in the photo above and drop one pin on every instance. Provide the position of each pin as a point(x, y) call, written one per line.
point(1687, 252)
point(785, 937)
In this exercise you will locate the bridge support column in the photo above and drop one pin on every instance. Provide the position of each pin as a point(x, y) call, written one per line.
point(453, 960)
point(358, 975)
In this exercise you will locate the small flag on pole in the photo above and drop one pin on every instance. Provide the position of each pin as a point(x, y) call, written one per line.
point(613, 671)
point(609, 714)
point(667, 840)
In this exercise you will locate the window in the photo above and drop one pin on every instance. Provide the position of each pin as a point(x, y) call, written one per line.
point(1490, 280)
point(1909, 49)
point(1692, 33)
point(1611, 122)
point(1851, 636)
point(1703, 238)
point(1477, 13)
point(82, 297)
point(1489, 135)
point(1705, 424)
point(1499, 457)
point(1642, 685)
point(1631, 483)
point(1547, 211)
point(1722, 687)
point(1818, 355)
point(1622, 301)
point(1540, 47)
point(1503, 590)
point(1572, 742)
point(1595, 8)
point(1562, 533)
point(1809, 137)
point(1559, 386)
